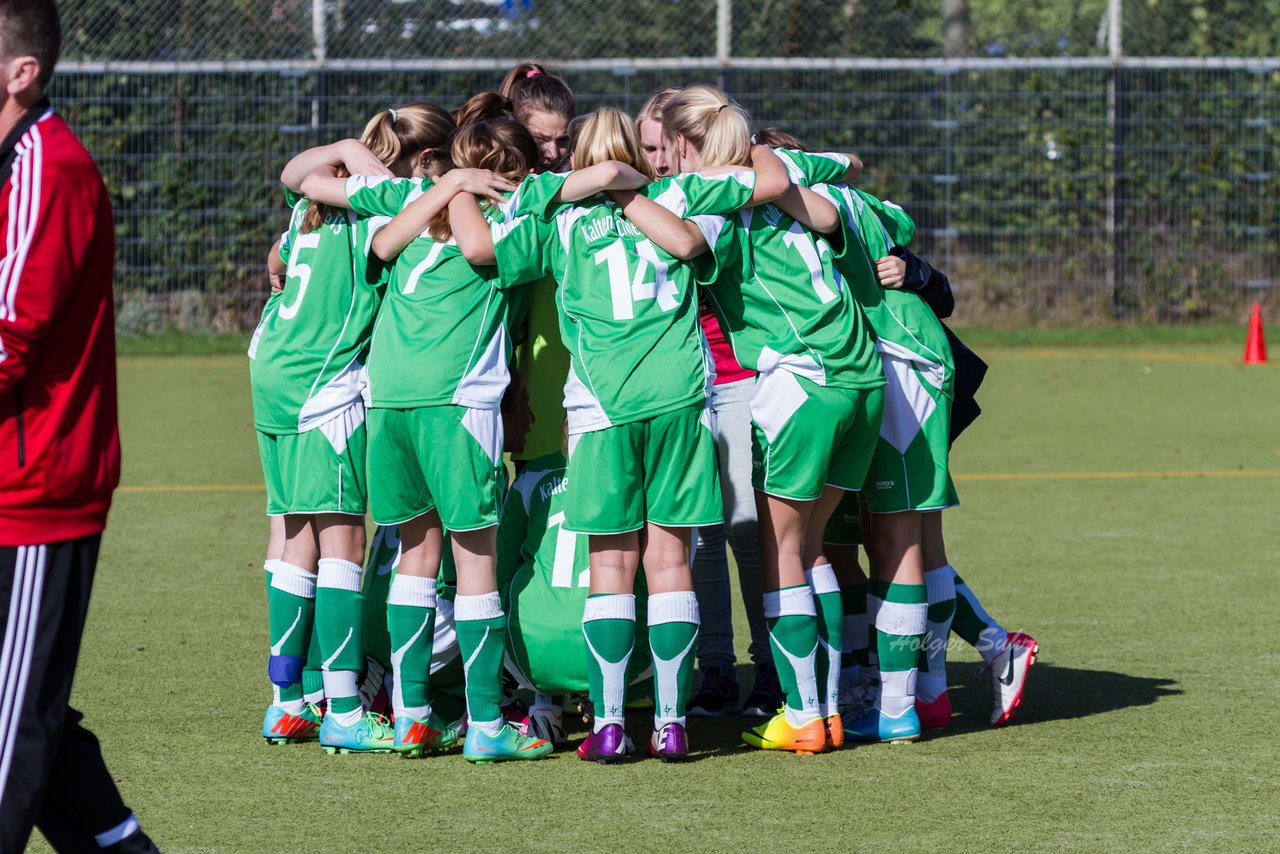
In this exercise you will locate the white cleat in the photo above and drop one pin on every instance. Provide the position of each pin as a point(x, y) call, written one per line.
point(1007, 674)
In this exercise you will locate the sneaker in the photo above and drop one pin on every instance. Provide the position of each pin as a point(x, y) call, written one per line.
point(413, 736)
point(371, 734)
point(280, 727)
point(935, 714)
point(766, 695)
point(508, 745)
point(608, 746)
point(670, 744)
point(717, 695)
point(874, 726)
point(1007, 673)
point(834, 727)
point(779, 734)
point(547, 722)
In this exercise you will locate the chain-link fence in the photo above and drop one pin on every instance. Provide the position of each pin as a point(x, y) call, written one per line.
point(1050, 173)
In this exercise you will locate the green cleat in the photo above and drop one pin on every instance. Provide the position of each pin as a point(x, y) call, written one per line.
point(371, 734)
point(413, 736)
point(508, 745)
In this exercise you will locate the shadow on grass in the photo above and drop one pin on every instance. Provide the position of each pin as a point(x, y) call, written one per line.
point(1053, 693)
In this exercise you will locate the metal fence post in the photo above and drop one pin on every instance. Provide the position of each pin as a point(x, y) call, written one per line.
point(1115, 270)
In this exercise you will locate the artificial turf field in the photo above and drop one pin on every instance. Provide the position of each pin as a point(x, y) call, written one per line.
point(1119, 502)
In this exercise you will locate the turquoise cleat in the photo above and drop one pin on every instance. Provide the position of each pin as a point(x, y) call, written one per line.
point(413, 736)
point(371, 734)
point(508, 745)
point(874, 726)
point(280, 727)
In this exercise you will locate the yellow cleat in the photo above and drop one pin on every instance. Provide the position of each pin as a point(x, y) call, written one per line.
point(779, 734)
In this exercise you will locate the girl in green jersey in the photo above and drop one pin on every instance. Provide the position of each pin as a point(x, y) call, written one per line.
point(308, 381)
point(816, 407)
point(642, 459)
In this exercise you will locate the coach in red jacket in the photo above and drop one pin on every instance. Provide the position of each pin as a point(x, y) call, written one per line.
point(59, 449)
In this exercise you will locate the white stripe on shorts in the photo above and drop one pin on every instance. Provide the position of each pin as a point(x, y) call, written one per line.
point(19, 640)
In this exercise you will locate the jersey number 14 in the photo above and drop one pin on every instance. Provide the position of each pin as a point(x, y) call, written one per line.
point(626, 289)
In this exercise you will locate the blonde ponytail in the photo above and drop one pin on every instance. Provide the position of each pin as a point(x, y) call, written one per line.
point(397, 137)
point(712, 123)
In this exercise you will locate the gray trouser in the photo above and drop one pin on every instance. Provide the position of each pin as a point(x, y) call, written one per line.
point(731, 421)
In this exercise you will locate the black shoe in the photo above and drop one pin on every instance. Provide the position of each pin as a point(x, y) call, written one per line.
point(717, 695)
point(766, 695)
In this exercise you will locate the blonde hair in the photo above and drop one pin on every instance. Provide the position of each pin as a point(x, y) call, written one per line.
point(714, 124)
point(652, 109)
point(397, 137)
point(501, 145)
point(610, 134)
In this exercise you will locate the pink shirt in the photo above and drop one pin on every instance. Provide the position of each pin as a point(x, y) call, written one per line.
point(727, 368)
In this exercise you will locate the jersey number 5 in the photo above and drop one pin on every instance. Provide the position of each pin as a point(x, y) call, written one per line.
point(299, 271)
point(626, 289)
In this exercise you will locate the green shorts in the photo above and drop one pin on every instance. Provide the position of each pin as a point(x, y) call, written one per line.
point(305, 474)
point(446, 458)
point(807, 437)
point(661, 470)
point(909, 468)
point(844, 529)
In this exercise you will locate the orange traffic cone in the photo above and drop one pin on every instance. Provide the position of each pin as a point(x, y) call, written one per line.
point(1255, 347)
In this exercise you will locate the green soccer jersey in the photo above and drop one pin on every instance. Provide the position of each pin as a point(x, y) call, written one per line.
point(904, 323)
point(784, 305)
point(544, 576)
point(441, 334)
point(627, 309)
point(308, 350)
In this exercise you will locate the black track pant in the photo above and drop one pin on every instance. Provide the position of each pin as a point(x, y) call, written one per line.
point(51, 771)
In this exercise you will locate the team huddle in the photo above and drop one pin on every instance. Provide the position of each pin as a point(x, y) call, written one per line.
point(685, 336)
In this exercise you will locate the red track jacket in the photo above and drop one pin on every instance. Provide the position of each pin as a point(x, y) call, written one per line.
point(59, 440)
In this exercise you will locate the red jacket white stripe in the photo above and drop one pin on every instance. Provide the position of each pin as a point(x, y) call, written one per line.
point(59, 440)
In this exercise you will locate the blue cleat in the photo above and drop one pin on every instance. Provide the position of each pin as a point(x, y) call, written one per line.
point(508, 745)
point(281, 727)
point(371, 734)
point(874, 726)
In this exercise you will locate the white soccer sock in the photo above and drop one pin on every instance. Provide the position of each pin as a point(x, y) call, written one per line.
point(940, 586)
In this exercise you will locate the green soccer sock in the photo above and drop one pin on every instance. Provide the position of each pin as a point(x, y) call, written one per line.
point(940, 589)
point(291, 603)
point(481, 626)
point(609, 626)
point(411, 612)
point(673, 640)
point(793, 639)
point(855, 643)
point(312, 675)
point(974, 625)
point(830, 613)
point(340, 628)
point(900, 624)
